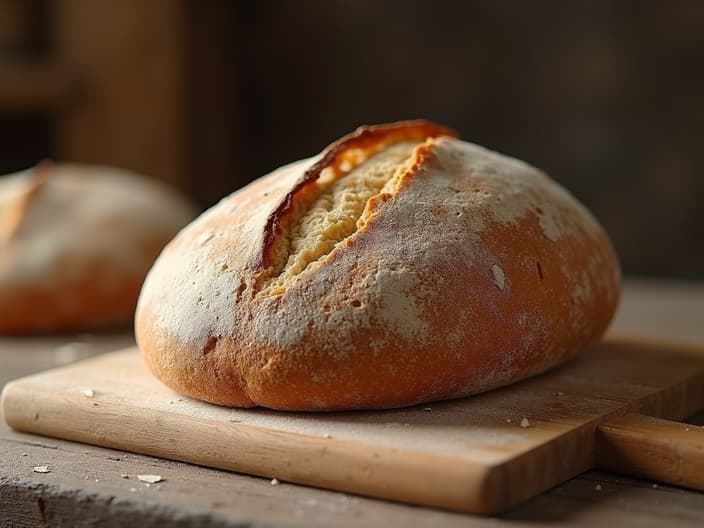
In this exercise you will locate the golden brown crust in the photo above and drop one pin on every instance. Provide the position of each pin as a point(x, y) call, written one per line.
point(474, 272)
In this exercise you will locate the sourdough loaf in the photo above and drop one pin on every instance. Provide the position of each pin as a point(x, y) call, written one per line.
point(76, 243)
point(401, 265)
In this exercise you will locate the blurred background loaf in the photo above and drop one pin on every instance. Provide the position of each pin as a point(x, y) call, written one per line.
point(76, 242)
point(605, 96)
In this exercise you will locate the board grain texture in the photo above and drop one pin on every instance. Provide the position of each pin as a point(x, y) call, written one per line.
point(469, 455)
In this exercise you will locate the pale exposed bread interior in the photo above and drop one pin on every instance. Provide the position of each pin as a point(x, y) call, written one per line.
point(332, 210)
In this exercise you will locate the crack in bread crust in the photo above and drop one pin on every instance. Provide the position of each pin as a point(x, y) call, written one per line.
point(334, 199)
point(13, 208)
point(334, 212)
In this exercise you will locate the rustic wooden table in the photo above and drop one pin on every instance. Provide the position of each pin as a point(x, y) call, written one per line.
point(92, 486)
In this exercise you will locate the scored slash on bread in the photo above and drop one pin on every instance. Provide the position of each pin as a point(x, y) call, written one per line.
point(335, 197)
point(18, 199)
point(402, 265)
point(339, 158)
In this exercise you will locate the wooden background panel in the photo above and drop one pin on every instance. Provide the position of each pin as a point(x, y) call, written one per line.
point(604, 96)
point(131, 108)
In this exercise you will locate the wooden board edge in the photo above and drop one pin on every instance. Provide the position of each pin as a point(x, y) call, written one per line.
point(380, 472)
point(686, 345)
point(535, 471)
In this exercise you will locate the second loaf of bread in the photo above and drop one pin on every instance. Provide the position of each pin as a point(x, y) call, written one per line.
point(399, 266)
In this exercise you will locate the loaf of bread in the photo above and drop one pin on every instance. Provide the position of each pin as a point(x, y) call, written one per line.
point(76, 243)
point(399, 266)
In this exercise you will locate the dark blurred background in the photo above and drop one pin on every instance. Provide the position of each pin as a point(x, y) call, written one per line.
point(606, 96)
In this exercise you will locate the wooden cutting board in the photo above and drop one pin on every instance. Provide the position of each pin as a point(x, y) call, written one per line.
point(481, 454)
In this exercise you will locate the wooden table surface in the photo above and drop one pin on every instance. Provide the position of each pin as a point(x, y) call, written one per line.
point(91, 486)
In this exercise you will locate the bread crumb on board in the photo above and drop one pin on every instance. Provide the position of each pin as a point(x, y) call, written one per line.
point(150, 479)
point(87, 392)
point(41, 469)
point(275, 482)
point(525, 423)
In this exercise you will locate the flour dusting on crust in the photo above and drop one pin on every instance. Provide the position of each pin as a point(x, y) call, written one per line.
point(507, 189)
point(205, 295)
point(396, 290)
